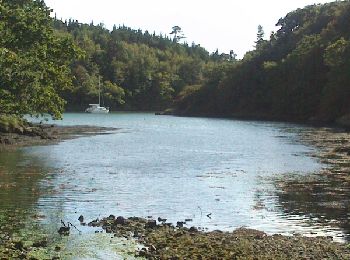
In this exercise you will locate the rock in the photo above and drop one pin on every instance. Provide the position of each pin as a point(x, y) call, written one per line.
point(108, 229)
point(169, 111)
point(111, 217)
point(343, 149)
point(94, 223)
point(180, 224)
point(152, 248)
point(193, 229)
point(64, 231)
point(81, 218)
point(18, 245)
point(5, 141)
point(42, 243)
point(143, 252)
point(151, 224)
point(120, 221)
point(162, 219)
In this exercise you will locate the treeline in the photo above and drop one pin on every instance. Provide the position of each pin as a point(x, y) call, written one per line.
point(301, 73)
point(139, 70)
point(48, 65)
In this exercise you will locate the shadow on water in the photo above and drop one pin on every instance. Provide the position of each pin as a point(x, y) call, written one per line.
point(21, 188)
point(20, 177)
point(323, 200)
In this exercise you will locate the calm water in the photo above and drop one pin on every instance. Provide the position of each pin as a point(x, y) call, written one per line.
point(173, 167)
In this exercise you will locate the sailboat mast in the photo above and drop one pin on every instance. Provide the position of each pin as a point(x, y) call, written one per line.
point(99, 91)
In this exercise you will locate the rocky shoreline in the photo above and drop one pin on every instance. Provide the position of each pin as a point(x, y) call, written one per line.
point(158, 239)
point(324, 195)
point(333, 149)
point(163, 240)
point(43, 134)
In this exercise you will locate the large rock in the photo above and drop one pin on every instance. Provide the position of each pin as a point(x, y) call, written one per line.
point(344, 121)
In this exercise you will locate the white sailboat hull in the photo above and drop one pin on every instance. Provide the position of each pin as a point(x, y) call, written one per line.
point(94, 109)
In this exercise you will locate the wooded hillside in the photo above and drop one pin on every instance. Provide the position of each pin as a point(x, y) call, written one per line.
point(301, 73)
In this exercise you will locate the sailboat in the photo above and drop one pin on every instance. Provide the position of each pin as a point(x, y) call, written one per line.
point(96, 108)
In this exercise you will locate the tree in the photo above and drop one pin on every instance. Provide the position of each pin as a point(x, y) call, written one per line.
point(259, 36)
point(178, 34)
point(233, 56)
point(34, 62)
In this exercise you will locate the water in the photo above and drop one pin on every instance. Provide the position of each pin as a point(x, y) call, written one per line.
point(173, 167)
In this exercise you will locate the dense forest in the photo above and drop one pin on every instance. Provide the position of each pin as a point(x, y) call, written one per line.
point(47, 64)
point(301, 73)
point(140, 71)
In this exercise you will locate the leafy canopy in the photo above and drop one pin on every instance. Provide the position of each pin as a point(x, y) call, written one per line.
point(34, 61)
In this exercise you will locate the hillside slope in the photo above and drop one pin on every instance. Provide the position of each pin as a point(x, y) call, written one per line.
point(301, 73)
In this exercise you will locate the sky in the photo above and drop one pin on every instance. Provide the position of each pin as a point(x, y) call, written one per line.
point(221, 24)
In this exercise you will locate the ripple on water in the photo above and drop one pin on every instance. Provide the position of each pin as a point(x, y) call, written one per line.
point(171, 167)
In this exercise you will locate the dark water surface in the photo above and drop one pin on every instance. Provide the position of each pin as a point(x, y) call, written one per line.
point(173, 167)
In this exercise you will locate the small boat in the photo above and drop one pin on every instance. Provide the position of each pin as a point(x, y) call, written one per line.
point(96, 108)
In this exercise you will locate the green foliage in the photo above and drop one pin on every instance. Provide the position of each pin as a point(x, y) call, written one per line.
point(11, 123)
point(142, 71)
point(34, 62)
point(301, 73)
point(46, 63)
point(114, 93)
point(260, 37)
point(178, 34)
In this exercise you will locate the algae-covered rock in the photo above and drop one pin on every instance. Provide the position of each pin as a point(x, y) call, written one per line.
point(163, 241)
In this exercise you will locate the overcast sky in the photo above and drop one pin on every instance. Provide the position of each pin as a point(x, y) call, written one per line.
point(223, 24)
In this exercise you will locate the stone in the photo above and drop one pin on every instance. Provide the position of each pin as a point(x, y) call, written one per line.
point(120, 221)
point(81, 218)
point(151, 224)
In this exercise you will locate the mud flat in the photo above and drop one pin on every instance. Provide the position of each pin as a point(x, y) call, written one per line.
point(48, 134)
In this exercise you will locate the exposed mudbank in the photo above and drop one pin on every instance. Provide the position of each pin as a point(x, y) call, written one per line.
point(41, 134)
point(324, 196)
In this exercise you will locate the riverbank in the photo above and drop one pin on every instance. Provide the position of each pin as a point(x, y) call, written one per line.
point(333, 149)
point(323, 196)
point(162, 240)
point(42, 134)
point(342, 122)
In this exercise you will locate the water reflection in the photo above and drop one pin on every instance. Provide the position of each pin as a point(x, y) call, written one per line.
point(20, 176)
point(176, 168)
point(25, 180)
point(322, 200)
